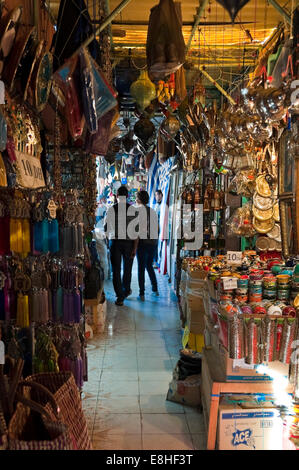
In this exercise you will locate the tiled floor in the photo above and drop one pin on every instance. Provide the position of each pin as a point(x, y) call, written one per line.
point(130, 367)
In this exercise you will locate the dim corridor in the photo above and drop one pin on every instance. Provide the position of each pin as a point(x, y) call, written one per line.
point(129, 369)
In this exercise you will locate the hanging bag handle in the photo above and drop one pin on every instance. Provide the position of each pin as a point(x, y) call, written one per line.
point(37, 386)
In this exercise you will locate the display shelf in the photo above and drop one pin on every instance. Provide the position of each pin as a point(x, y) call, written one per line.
point(213, 385)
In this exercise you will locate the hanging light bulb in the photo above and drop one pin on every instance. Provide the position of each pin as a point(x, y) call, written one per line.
point(143, 90)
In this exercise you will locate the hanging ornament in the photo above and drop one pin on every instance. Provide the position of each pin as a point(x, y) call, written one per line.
point(144, 129)
point(233, 6)
point(143, 90)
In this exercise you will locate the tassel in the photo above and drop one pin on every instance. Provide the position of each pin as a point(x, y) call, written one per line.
point(80, 239)
point(15, 235)
point(26, 237)
point(7, 300)
point(45, 236)
point(2, 305)
point(19, 240)
point(53, 236)
point(65, 307)
point(54, 305)
point(22, 311)
point(37, 236)
point(50, 311)
point(19, 310)
point(77, 306)
point(71, 306)
point(4, 235)
point(59, 296)
point(78, 371)
point(75, 240)
point(26, 311)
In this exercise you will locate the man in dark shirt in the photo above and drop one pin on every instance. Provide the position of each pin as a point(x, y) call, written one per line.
point(121, 243)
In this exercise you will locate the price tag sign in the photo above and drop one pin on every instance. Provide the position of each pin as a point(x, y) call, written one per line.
point(234, 257)
point(230, 283)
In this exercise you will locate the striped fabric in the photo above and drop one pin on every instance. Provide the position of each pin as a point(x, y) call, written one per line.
point(159, 178)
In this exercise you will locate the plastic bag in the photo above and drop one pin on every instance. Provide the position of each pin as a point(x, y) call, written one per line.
point(88, 92)
point(165, 46)
point(241, 223)
point(105, 95)
point(98, 143)
point(67, 79)
point(243, 183)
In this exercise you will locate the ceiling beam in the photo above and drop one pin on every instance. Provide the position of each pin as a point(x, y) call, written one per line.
point(280, 10)
point(185, 23)
point(216, 84)
point(201, 8)
point(103, 25)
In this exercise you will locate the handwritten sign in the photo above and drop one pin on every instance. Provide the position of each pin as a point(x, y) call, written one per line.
point(234, 257)
point(230, 283)
point(30, 174)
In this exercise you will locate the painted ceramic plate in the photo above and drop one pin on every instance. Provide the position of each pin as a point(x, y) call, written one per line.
point(24, 35)
point(262, 214)
point(262, 203)
point(263, 187)
point(262, 243)
point(272, 244)
point(8, 25)
point(275, 233)
point(263, 226)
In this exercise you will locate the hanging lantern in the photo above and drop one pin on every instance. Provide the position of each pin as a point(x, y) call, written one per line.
point(144, 129)
point(233, 6)
point(143, 90)
point(171, 125)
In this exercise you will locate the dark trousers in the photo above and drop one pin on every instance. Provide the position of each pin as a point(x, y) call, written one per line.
point(145, 257)
point(121, 251)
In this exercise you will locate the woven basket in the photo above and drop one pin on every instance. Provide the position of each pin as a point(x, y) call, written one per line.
point(63, 386)
point(32, 427)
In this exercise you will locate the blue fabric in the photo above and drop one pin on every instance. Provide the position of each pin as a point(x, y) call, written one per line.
point(37, 234)
point(53, 236)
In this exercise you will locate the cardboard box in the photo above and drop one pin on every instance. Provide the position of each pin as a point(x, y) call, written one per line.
point(195, 315)
point(186, 392)
point(256, 428)
point(236, 370)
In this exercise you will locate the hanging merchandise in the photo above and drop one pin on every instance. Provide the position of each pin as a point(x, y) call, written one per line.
point(66, 79)
point(87, 88)
point(233, 6)
point(165, 47)
point(143, 90)
point(8, 27)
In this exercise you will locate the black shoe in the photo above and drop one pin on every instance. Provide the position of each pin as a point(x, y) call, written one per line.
point(128, 293)
point(142, 298)
point(119, 302)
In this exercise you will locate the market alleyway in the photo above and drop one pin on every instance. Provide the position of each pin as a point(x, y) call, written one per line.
point(130, 367)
